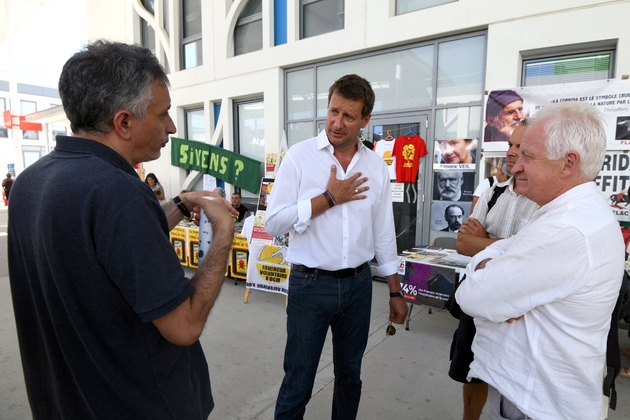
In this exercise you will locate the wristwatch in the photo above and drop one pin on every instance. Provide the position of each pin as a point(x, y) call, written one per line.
point(181, 206)
point(399, 293)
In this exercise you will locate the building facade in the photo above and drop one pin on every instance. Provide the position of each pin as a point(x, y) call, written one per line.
point(35, 41)
point(244, 72)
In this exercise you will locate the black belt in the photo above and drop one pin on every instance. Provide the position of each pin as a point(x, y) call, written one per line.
point(345, 272)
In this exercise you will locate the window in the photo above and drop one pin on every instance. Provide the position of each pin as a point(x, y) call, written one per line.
point(195, 125)
point(58, 130)
point(406, 6)
point(320, 17)
point(251, 129)
point(30, 154)
point(461, 70)
point(4, 133)
point(400, 79)
point(458, 123)
point(404, 80)
point(192, 55)
point(248, 32)
point(568, 68)
point(28, 107)
point(147, 32)
point(165, 16)
point(250, 132)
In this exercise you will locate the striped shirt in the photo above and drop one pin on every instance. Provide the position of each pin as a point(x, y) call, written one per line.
point(508, 215)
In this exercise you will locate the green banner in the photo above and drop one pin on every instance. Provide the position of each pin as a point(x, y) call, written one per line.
point(231, 167)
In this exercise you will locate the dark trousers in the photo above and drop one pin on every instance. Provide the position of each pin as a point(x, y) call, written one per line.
point(317, 302)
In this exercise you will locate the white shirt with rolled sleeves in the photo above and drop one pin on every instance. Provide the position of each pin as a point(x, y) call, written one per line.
point(561, 273)
point(346, 235)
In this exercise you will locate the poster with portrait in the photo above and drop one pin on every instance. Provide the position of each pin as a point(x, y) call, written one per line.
point(493, 164)
point(448, 217)
point(455, 154)
point(504, 110)
point(610, 97)
point(505, 107)
point(453, 185)
point(259, 234)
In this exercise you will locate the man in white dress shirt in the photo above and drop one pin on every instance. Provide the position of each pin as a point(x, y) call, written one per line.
point(510, 212)
point(334, 194)
point(542, 299)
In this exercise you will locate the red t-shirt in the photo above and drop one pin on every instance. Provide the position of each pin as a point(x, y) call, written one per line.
point(408, 151)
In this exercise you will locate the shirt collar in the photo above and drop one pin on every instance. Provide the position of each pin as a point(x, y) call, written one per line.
point(82, 145)
point(323, 143)
point(509, 183)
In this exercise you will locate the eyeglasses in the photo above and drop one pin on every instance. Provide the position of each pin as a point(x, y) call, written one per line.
point(390, 330)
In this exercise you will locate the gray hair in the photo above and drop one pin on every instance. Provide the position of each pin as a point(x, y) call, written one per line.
point(105, 78)
point(220, 191)
point(574, 127)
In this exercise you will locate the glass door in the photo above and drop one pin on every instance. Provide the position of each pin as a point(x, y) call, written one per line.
point(408, 198)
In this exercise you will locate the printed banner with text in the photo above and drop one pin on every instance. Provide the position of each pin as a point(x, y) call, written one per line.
point(611, 97)
point(228, 166)
point(268, 268)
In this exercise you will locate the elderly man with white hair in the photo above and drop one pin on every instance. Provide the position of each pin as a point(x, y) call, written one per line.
point(542, 299)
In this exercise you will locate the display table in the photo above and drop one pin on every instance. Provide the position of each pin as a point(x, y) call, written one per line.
point(428, 276)
point(185, 240)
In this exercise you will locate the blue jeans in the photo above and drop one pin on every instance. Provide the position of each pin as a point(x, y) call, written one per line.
point(315, 303)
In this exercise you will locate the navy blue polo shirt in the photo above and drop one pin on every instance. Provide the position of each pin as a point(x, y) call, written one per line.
point(90, 266)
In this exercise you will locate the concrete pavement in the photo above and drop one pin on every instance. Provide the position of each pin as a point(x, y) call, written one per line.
point(404, 376)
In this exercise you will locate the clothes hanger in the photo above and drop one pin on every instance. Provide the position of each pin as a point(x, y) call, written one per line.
point(389, 135)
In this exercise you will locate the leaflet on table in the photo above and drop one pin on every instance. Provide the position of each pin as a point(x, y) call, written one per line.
point(414, 256)
point(427, 252)
point(447, 257)
point(426, 248)
point(453, 260)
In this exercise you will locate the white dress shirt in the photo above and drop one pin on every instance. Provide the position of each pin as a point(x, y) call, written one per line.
point(346, 235)
point(562, 272)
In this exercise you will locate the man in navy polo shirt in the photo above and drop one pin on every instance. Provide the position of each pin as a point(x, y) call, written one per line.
point(107, 322)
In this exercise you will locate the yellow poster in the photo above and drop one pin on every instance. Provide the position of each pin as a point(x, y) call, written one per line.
point(268, 268)
point(178, 240)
